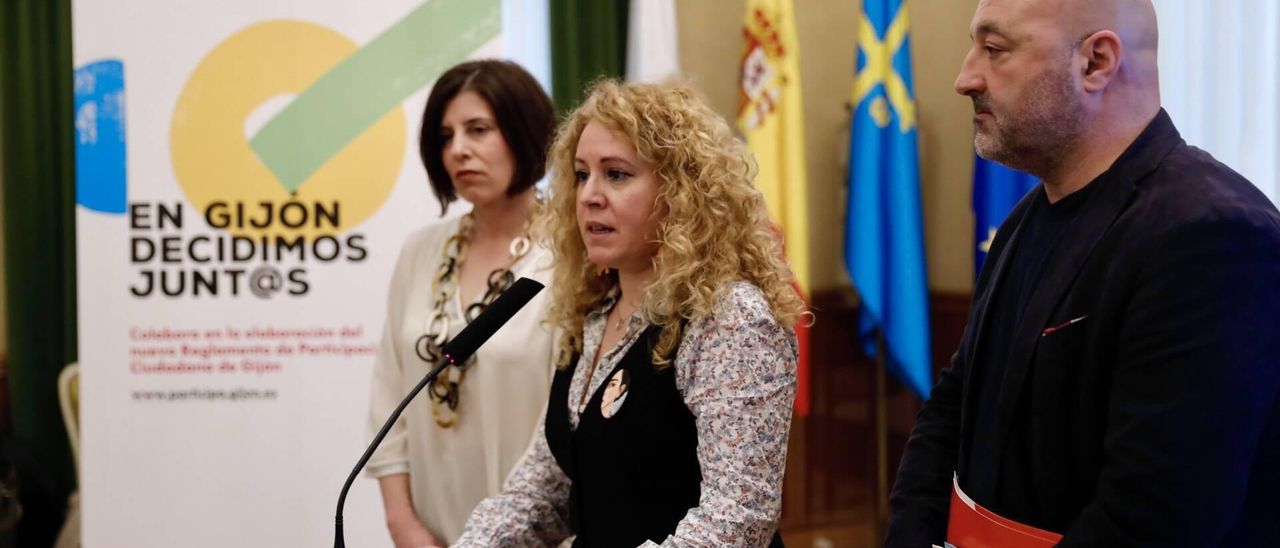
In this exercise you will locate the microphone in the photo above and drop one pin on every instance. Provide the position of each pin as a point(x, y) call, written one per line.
point(456, 351)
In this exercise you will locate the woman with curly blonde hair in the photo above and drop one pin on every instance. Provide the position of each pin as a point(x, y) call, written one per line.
point(669, 281)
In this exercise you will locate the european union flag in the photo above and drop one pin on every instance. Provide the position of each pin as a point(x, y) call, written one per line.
point(996, 189)
point(884, 240)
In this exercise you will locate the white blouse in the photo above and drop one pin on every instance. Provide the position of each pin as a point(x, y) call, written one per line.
point(500, 401)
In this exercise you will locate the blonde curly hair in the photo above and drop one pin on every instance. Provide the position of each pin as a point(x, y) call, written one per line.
point(714, 228)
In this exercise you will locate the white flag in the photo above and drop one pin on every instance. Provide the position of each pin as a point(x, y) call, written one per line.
point(652, 52)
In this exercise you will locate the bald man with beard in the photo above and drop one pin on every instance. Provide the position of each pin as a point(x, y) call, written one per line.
point(1118, 379)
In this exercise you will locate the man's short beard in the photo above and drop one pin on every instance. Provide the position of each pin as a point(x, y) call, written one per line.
point(1036, 136)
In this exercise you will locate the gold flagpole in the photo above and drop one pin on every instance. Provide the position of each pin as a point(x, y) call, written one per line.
point(882, 442)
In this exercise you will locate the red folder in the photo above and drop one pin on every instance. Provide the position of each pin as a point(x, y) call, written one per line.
point(972, 526)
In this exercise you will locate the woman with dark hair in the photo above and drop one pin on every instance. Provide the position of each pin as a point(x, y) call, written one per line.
point(615, 393)
point(484, 137)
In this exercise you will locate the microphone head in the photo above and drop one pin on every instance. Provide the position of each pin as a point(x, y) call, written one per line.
point(494, 317)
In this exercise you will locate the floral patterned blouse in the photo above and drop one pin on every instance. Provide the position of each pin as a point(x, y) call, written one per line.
point(736, 371)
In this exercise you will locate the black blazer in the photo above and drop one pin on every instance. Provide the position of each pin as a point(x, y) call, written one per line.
point(1155, 419)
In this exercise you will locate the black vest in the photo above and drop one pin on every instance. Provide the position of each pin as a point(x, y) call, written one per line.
point(634, 475)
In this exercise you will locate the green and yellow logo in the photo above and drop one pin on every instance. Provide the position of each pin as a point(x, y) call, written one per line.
point(285, 137)
point(340, 136)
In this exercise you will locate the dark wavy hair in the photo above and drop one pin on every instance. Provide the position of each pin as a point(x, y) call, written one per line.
point(523, 112)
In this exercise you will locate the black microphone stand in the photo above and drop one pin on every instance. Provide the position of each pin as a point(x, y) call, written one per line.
point(458, 350)
point(377, 440)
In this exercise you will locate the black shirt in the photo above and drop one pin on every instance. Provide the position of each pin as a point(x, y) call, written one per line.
point(1040, 232)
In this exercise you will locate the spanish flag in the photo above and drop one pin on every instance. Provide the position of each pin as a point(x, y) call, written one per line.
point(771, 115)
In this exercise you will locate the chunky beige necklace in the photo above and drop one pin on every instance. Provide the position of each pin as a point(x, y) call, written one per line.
point(444, 390)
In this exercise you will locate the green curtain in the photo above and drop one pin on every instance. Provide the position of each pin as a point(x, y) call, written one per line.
point(588, 41)
point(39, 224)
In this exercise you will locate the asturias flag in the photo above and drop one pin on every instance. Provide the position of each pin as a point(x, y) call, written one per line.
point(884, 240)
